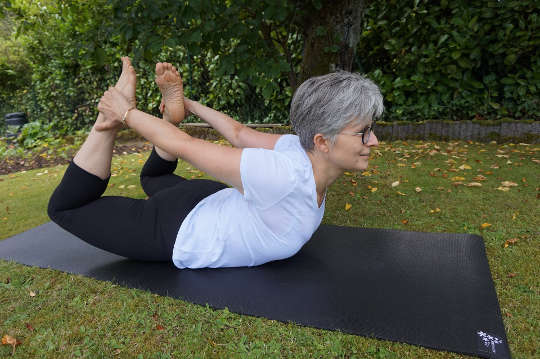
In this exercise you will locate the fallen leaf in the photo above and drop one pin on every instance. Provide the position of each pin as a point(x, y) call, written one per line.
point(404, 221)
point(9, 340)
point(366, 173)
point(480, 178)
point(504, 189)
point(122, 186)
point(465, 167)
point(131, 186)
point(159, 327)
point(485, 225)
point(394, 184)
point(512, 275)
point(348, 206)
point(374, 189)
point(510, 242)
point(32, 294)
point(474, 184)
point(508, 184)
point(458, 178)
point(418, 189)
point(29, 327)
point(348, 173)
point(436, 210)
point(400, 193)
point(514, 216)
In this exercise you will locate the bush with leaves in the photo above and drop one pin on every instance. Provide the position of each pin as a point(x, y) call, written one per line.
point(454, 60)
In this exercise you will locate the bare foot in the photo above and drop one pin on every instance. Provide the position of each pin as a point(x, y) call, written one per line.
point(128, 81)
point(172, 90)
point(126, 85)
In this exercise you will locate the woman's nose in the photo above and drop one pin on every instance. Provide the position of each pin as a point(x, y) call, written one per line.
point(373, 140)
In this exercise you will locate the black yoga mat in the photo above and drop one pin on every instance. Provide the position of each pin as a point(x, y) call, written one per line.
point(429, 289)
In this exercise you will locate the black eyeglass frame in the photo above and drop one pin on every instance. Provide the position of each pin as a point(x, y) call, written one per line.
point(365, 134)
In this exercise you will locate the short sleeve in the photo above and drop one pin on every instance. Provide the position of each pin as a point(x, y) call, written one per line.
point(267, 176)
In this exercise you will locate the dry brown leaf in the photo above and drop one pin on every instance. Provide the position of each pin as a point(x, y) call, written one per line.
point(485, 225)
point(474, 184)
point(395, 184)
point(404, 221)
point(508, 184)
point(348, 206)
point(510, 242)
point(400, 193)
point(418, 189)
point(9, 340)
point(458, 178)
point(374, 189)
point(465, 167)
point(480, 178)
point(504, 189)
point(512, 275)
point(436, 210)
point(32, 294)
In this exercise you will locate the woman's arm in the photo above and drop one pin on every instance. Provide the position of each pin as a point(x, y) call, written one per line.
point(220, 162)
point(222, 123)
point(236, 133)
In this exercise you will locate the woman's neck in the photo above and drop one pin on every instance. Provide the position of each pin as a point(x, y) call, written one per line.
point(323, 173)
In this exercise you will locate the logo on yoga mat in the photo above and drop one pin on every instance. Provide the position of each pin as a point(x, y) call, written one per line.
point(488, 342)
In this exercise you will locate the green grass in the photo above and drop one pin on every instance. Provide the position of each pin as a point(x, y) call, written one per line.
point(72, 316)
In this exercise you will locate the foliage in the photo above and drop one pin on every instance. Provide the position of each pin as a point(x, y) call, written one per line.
point(432, 59)
point(454, 59)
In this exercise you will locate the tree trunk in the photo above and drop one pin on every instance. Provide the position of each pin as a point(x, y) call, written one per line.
point(330, 37)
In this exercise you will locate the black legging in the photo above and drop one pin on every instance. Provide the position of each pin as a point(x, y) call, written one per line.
point(143, 229)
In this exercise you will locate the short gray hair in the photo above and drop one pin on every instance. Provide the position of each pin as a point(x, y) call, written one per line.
point(327, 104)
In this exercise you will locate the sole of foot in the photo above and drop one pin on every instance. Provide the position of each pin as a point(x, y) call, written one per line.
point(172, 91)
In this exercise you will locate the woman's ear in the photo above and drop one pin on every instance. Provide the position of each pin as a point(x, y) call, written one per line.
point(321, 143)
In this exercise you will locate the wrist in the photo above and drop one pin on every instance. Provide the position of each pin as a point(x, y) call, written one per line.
point(125, 116)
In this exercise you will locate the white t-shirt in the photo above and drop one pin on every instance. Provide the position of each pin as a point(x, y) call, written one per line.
point(275, 217)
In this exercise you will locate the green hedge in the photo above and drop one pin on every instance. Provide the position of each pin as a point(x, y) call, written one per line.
point(441, 60)
point(454, 60)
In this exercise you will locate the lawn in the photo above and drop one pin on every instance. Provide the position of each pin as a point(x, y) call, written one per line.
point(486, 189)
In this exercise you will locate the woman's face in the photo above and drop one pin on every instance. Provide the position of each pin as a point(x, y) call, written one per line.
point(348, 152)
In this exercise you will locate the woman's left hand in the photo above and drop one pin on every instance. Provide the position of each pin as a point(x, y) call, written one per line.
point(113, 105)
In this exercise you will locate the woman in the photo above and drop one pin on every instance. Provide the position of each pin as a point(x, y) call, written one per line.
point(278, 182)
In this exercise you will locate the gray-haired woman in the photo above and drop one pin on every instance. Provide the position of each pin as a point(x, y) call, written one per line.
point(278, 182)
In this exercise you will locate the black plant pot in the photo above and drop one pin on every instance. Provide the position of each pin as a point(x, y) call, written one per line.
point(16, 119)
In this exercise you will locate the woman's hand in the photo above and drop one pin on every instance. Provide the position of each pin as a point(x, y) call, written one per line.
point(113, 105)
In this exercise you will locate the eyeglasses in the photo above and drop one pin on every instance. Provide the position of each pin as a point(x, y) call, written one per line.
point(365, 134)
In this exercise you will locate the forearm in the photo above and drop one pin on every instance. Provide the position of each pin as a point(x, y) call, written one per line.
point(222, 123)
point(160, 133)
